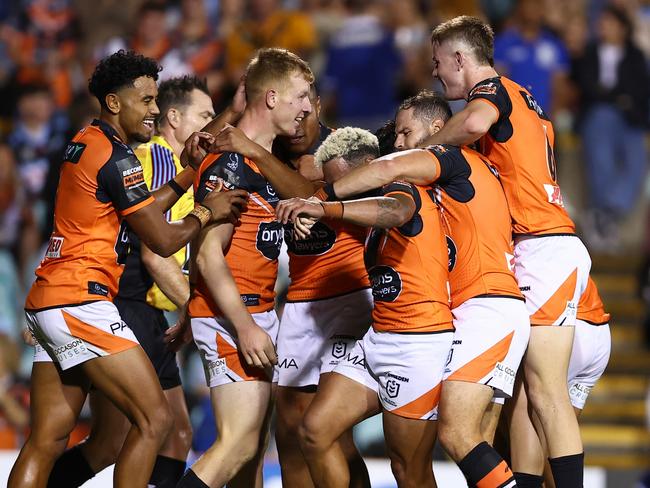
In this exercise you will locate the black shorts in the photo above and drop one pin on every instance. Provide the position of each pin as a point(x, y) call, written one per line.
point(149, 326)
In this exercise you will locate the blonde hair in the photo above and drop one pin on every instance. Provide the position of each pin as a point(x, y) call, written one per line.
point(349, 143)
point(272, 68)
point(471, 31)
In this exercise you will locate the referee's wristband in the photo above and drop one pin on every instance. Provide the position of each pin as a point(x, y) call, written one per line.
point(326, 193)
point(178, 189)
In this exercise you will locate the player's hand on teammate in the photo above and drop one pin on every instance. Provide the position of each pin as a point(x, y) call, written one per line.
point(180, 333)
point(197, 147)
point(226, 206)
point(256, 347)
point(232, 139)
point(290, 210)
point(302, 227)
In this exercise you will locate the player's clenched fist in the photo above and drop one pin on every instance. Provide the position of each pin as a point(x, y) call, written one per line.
point(257, 347)
point(196, 148)
point(226, 206)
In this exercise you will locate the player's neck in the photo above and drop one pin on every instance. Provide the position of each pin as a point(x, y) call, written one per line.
point(478, 74)
point(112, 120)
point(258, 127)
point(168, 134)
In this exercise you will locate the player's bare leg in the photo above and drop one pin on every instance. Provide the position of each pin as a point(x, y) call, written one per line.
point(292, 403)
point(490, 421)
point(56, 398)
point(339, 404)
point(410, 444)
point(240, 410)
point(129, 381)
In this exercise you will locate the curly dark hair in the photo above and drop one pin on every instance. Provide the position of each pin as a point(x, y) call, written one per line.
point(175, 93)
point(386, 136)
point(118, 70)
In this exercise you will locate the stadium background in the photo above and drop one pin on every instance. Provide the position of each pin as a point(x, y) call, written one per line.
point(367, 56)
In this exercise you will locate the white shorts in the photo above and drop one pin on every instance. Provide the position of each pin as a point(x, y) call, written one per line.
point(222, 362)
point(490, 339)
point(589, 357)
point(552, 273)
point(72, 335)
point(314, 336)
point(406, 370)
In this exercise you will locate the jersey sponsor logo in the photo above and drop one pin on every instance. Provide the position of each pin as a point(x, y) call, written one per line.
point(452, 252)
point(132, 177)
point(269, 239)
point(214, 183)
point(288, 363)
point(70, 350)
point(438, 149)
point(533, 105)
point(339, 349)
point(73, 152)
point(484, 89)
point(392, 388)
point(54, 248)
point(386, 283)
point(250, 300)
point(95, 288)
point(321, 240)
point(554, 194)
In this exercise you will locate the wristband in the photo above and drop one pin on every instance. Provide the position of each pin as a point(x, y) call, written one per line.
point(333, 210)
point(178, 189)
point(202, 213)
point(326, 193)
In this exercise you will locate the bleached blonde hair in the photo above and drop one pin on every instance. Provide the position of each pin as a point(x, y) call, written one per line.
point(349, 143)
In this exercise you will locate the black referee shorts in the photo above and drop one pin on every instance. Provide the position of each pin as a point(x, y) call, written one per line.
point(149, 326)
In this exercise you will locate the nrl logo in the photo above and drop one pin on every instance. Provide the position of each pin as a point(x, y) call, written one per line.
point(392, 388)
point(339, 348)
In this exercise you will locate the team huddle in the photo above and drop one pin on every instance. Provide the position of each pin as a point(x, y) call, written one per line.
point(436, 278)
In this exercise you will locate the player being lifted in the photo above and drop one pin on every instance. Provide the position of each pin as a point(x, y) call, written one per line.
point(81, 336)
point(551, 263)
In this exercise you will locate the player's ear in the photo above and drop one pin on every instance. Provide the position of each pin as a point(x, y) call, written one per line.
point(173, 118)
point(112, 101)
point(460, 60)
point(271, 98)
point(436, 125)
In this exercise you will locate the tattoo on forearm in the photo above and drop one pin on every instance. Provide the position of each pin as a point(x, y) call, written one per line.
point(386, 208)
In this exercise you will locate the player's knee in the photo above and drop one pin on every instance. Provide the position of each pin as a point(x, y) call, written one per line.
point(48, 446)
point(312, 435)
point(157, 422)
point(409, 473)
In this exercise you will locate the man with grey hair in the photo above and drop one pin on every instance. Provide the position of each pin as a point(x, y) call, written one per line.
point(405, 351)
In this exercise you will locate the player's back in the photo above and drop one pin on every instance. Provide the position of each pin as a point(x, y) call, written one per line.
point(100, 177)
point(520, 145)
point(479, 230)
point(252, 254)
point(407, 266)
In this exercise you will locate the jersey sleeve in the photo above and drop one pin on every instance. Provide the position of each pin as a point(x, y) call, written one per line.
point(121, 181)
point(492, 92)
point(398, 187)
point(225, 171)
point(414, 226)
point(454, 172)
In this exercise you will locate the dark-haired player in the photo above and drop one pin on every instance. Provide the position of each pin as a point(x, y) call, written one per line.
point(550, 262)
point(149, 286)
point(81, 336)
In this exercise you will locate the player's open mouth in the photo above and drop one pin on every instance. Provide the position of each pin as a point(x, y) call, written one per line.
point(148, 123)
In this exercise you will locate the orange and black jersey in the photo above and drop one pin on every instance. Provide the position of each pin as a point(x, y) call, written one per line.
point(477, 223)
point(101, 181)
point(520, 145)
point(252, 255)
point(407, 266)
point(590, 306)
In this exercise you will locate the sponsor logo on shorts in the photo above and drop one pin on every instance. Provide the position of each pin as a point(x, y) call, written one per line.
point(554, 194)
point(339, 348)
point(118, 327)
point(288, 363)
point(320, 240)
point(386, 283)
point(250, 300)
point(524, 288)
point(570, 312)
point(356, 360)
point(95, 288)
point(70, 350)
point(216, 368)
point(54, 248)
point(579, 391)
point(504, 373)
point(398, 378)
point(392, 388)
point(269, 239)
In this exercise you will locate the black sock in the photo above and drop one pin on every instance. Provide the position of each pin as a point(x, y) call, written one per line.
point(71, 470)
point(568, 471)
point(191, 480)
point(525, 480)
point(484, 468)
point(166, 472)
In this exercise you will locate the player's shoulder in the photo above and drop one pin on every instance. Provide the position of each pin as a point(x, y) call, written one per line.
point(444, 150)
point(487, 87)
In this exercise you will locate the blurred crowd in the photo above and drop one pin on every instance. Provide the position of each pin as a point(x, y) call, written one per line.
point(585, 61)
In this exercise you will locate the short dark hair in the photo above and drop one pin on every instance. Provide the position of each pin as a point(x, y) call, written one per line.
point(34, 88)
point(176, 92)
point(119, 70)
point(428, 106)
point(477, 34)
point(386, 136)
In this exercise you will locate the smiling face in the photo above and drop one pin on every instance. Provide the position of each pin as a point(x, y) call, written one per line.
point(410, 131)
point(292, 105)
point(448, 68)
point(137, 109)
